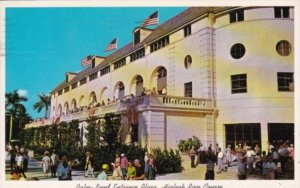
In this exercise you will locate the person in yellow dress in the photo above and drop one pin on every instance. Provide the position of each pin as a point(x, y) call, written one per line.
point(130, 171)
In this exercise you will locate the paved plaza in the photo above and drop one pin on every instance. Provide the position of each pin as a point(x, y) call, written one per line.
point(198, 173)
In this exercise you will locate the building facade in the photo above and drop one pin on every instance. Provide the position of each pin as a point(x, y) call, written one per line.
point(223, 74)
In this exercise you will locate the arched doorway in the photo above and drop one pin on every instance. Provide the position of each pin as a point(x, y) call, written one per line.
point(59, 110)
point(66, 108)
point(137, 85)
point(73, 104)
point(81, 101)
point(103, 95)
point(92, 98)
point(161, 76)
point(120, 90)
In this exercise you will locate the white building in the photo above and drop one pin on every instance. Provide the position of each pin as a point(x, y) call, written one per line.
point(228, 72)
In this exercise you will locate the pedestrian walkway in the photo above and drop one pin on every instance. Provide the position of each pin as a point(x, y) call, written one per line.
point(198, 173)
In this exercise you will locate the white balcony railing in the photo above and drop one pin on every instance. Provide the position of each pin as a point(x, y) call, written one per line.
point(148, 101)
point(38, 123)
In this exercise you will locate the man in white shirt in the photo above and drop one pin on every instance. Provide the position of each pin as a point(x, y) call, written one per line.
point(220, 161)
point(250, 154)
point(270, 147)
point(19, 161)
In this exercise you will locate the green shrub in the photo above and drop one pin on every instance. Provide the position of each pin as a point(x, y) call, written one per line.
point(167, 161)
point(185, 145)
point(103, 142)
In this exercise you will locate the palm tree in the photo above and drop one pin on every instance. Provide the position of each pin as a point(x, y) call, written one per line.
point(44, 102)
point(23, 118)
point(13, 105)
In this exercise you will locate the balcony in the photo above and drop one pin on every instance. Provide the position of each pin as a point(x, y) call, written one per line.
point(148, 102)
point(39, 123)
point(174, 102)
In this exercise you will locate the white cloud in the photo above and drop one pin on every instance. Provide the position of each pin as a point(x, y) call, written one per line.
point(23, 92)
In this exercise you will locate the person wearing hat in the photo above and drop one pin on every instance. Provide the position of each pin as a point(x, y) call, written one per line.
point(46, 161)
point(103, 175)
point(124, 163)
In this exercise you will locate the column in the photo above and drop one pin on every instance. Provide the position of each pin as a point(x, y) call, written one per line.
point(264, 136)
point(209, 130)
point(152, 129)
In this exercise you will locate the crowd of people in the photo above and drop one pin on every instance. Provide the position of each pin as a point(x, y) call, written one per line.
point(123, 168)
point(248, 160)
point(50, 163)
point(18, 160)
point(109, 101)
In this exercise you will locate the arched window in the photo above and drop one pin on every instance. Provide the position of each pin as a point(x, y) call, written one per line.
point(92, 98)
point(237, 51)
point(138, 86)
point(103, 95)
point(66, 108)
point(161, 80)
point(81, 101)
point(59, 110)
point(121, 91)
point(73, 104)
point(187, 61)
point(283, 48)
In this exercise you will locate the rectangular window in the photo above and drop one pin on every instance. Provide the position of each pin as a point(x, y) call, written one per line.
point(93, 63)
point(236, 134)
point(137, 37)
point(236, 16)
point(60, 92)
point(187, 30)
point(67, 89)
point(93, 76)
point(282, 12)
point(239, 83)
point(119, 63)
point(82, 81)
point(285, 81)
point(188, 89)
point(159, 44)
point(105, 70)
point(137, 55)
point(74, 85)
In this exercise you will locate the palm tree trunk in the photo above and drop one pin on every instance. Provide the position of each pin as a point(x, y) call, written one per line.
point(46, 111)
point(10, 128)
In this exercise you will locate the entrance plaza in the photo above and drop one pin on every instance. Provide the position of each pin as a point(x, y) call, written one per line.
point(35, 172)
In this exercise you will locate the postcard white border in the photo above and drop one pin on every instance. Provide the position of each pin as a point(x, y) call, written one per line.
point(143, 3)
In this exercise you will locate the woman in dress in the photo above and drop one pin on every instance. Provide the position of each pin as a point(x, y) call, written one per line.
point(117, 168)
point(46, 163)
point(228, 155)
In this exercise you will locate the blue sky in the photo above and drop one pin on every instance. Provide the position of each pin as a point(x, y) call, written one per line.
point(42, 44)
